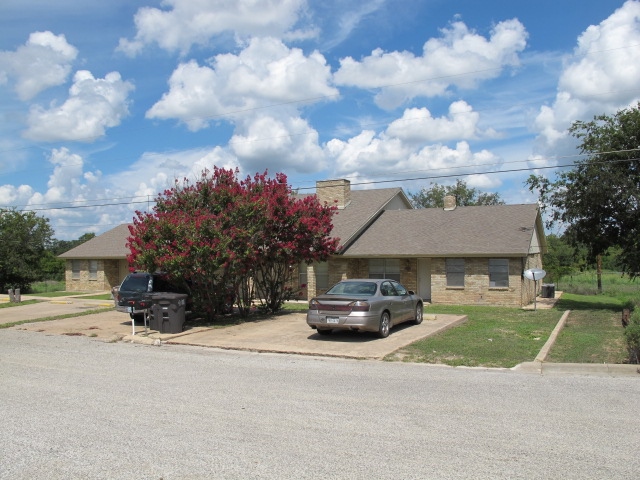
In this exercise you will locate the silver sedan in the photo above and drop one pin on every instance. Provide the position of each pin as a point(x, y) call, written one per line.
point(371, 305)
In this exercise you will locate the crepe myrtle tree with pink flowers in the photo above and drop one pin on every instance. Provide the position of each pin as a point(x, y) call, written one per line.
point(232, 241)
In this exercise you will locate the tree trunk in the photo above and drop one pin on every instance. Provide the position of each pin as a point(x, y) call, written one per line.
point(599, 272)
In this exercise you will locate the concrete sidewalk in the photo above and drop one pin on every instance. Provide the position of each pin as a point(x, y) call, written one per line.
point(48, 307)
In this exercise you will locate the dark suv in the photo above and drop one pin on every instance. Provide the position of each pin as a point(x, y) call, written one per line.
point(130, 298)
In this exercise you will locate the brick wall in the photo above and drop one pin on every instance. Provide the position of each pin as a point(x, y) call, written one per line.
point(110, 274)
point(84, 283)
point(409, 273)
point(334, 190)
point(476, 290)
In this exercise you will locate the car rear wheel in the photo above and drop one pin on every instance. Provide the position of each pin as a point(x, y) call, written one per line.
point(419, 315)
point(324, 331)
point(385, 325)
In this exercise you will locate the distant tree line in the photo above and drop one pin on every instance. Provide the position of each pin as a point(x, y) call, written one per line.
point(28, 251)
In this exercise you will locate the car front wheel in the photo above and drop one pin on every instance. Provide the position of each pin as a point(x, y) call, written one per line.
point(385, 325)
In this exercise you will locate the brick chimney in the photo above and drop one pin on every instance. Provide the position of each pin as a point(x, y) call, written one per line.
point(449, 203)
point(329, 191)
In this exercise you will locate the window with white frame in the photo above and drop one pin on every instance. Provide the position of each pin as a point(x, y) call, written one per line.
point(384, 268)
point(93, 270)
point(455, 272)
point(498, 272)
point(75, 269)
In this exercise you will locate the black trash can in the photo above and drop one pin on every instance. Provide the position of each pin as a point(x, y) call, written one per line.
point(167, 312)
point(548, 290)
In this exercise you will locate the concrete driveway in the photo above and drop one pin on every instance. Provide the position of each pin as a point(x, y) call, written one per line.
point(284, 333)
point(289, 333)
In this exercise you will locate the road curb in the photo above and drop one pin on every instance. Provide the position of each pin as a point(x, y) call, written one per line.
point(591, 369)
point(544, 351)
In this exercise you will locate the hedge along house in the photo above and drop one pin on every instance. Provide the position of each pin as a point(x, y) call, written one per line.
point(451, 255)
point(98, 264)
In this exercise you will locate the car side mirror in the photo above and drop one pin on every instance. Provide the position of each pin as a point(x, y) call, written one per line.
point(411, 292)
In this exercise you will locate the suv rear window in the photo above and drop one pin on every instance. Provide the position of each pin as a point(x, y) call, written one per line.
point(136, 283)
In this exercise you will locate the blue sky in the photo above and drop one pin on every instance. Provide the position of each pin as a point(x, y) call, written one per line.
point(104, 104)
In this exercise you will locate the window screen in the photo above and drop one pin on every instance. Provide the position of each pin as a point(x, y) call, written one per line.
point(384, 268)
point(455, 272)
point(498, 272)
point(75, 269)
point(93, 269)
point(322, 275)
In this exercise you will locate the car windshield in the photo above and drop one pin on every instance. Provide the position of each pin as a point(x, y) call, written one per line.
point(353, 288)
point(135, 284)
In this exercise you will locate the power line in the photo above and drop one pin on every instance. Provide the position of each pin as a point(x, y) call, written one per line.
point(375, 182)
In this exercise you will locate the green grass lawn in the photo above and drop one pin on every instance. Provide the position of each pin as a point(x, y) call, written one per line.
point(505, 337)
point(106, 296)
point(593, 332)
point(55, 294)
point(14, 304)
point(492, 337)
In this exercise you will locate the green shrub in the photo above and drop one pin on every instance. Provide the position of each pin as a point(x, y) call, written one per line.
point(632, 337)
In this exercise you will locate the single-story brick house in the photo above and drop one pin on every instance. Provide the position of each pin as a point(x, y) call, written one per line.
point(98, 264)
point(454, 255)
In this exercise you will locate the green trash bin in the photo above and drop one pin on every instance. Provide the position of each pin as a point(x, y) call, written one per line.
point(168, 312)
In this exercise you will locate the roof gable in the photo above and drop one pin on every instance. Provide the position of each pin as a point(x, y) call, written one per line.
point(506, 230)
point(363, 209)
point(111, 244)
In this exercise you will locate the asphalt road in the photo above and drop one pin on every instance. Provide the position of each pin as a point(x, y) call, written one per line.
point(72, 407)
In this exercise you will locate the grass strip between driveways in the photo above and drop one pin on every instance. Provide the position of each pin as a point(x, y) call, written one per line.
point(55, 294)
point(593, 332)
point(57, 317)
point(18, 304)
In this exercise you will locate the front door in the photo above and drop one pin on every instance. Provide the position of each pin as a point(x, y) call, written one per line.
point(424, 279)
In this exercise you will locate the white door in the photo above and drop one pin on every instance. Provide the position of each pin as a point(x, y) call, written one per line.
point(424, 278)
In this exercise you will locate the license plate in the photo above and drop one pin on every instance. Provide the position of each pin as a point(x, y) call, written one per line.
point(333, 319)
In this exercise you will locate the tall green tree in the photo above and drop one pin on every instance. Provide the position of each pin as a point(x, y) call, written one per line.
point(61, 246)
point(24, 237)
point(561, 258)
point(599, 198)
point(433, 197)
point(52, 267)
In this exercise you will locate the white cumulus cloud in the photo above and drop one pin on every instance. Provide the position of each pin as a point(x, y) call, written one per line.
point(94, 104)
point(185, 23)
point(265, 73)
point(44, 61)
point(601, 77)
point(417, 124)
point(415, 142)
point(459, 58)
point(288, 142)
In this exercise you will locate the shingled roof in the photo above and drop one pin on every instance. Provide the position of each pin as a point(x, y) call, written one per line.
point(110, 245)
point(365, 206)
point(505, 230)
